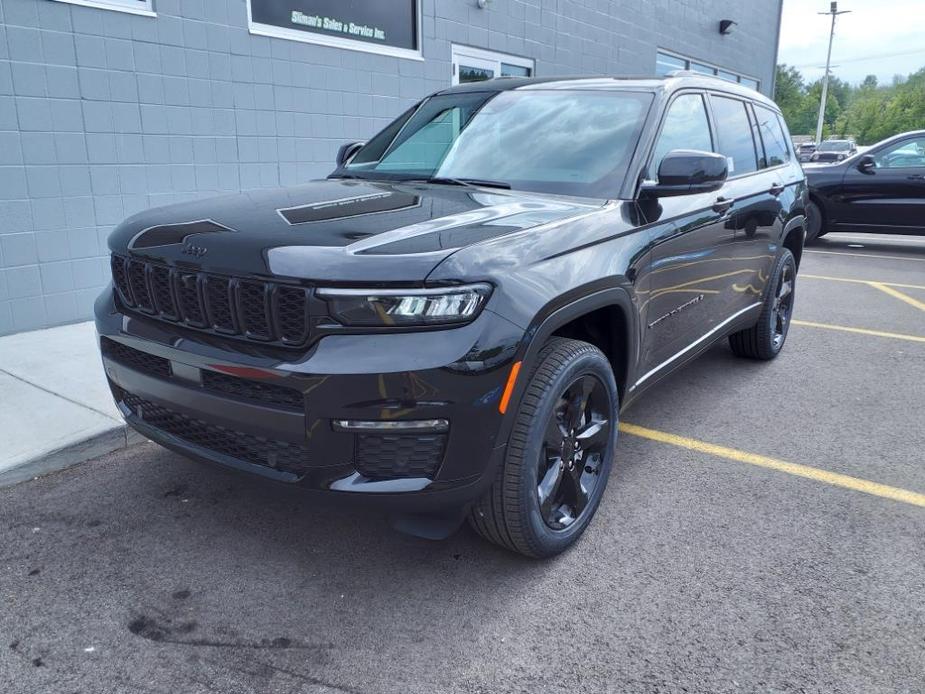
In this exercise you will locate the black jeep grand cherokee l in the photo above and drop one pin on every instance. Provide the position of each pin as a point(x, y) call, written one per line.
point(450, 323)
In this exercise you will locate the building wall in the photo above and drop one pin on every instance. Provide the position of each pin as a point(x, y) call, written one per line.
point(103, 113)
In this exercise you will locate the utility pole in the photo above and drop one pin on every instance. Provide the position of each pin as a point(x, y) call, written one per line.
point(834, 11)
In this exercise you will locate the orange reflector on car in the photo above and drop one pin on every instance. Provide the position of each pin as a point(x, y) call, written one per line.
point(509, 388)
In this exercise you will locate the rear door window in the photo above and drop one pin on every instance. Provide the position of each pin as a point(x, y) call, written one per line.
point(776, 144)
point(734, 135)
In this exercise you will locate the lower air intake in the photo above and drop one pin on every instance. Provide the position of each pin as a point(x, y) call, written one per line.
point(397, 456)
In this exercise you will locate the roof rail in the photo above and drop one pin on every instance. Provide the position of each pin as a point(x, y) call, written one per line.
point(692, 73)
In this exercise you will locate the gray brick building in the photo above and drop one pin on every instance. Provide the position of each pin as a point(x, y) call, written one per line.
point(108, 107)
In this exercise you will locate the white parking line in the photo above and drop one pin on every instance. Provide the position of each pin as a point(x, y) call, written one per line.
point(856, 281)
point(867, 255)
point(873, 239)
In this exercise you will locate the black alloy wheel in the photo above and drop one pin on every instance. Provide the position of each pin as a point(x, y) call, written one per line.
point(559, 453)
point(577, 434)
point(814, 222)
point(782, 306)
point(766, 338)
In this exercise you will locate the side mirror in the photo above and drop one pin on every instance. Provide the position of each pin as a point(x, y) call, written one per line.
point(348, 151)
point(867, 164)
point(686, 172)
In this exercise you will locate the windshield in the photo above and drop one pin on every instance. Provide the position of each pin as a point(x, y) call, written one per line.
point(568, 142)
point(836, 146)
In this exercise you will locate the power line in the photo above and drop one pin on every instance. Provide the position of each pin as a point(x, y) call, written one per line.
point(874, 56)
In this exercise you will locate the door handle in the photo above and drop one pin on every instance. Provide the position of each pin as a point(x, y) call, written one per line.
point(916, 177)
point(777, 189)
point(722, 204)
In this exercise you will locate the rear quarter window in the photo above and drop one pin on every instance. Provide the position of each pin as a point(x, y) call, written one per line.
point(776, 143)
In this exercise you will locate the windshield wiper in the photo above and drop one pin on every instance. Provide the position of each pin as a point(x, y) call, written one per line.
point(469, 182)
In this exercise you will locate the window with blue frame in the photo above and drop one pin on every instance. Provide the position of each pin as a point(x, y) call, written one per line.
point(666, 63)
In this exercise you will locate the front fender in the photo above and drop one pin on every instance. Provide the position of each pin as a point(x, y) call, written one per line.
point(556, 315)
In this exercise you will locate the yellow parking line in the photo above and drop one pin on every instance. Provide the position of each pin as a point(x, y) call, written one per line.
point(867, 255)
point(854, 281)
point(833, 478)
point(860, 331)
point(898, 295)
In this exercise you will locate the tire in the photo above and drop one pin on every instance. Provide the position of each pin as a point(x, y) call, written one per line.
point(766, 338)
point(815, 222)
point(511, 513)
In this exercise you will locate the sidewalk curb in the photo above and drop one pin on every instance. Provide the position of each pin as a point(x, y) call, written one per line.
point(118, 437)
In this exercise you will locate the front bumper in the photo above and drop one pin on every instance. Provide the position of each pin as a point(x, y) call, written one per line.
point(270, 411)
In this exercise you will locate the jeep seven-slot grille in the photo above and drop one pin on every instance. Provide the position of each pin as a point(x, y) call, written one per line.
point(261, 311)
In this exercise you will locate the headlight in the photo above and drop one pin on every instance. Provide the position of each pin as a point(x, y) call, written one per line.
point(815, 157)
point(406, 307)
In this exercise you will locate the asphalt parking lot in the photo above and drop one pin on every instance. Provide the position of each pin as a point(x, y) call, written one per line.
point(763, 533)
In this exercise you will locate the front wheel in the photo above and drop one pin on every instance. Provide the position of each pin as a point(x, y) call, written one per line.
point(766, 338)
point(559, 454)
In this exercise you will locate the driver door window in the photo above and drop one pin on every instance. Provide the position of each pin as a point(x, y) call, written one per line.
point(685, 127)
point(909, 154)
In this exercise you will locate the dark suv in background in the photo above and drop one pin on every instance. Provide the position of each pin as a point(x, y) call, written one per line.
point(805, 151)
point(881, 191)
point(832, 151)
point(450, 323)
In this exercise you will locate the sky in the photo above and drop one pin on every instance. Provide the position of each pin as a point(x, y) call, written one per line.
point(878, 37)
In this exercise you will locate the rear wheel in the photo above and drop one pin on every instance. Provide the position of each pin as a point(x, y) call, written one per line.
point(766, 338)
point(815, 222)
point(559, 454)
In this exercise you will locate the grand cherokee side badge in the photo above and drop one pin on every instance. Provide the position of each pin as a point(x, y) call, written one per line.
point(675, 311)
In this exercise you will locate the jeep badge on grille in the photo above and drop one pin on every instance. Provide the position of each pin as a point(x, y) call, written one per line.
point(197, 251)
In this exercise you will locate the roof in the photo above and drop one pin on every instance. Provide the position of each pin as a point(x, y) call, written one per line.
point(668, 83)
point(900, 136)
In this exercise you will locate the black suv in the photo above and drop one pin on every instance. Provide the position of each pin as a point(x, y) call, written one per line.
point(881, 191)
point(450, 323)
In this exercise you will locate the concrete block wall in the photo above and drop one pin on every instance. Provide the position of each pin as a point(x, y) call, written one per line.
point(104, 113)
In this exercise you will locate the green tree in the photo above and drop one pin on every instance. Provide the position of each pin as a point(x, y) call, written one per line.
point(788, 88)
point(868, 112)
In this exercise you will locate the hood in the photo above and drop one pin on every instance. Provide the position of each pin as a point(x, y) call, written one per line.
point(335, 230)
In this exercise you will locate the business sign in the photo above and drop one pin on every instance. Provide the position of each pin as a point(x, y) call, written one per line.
point(390, 24)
